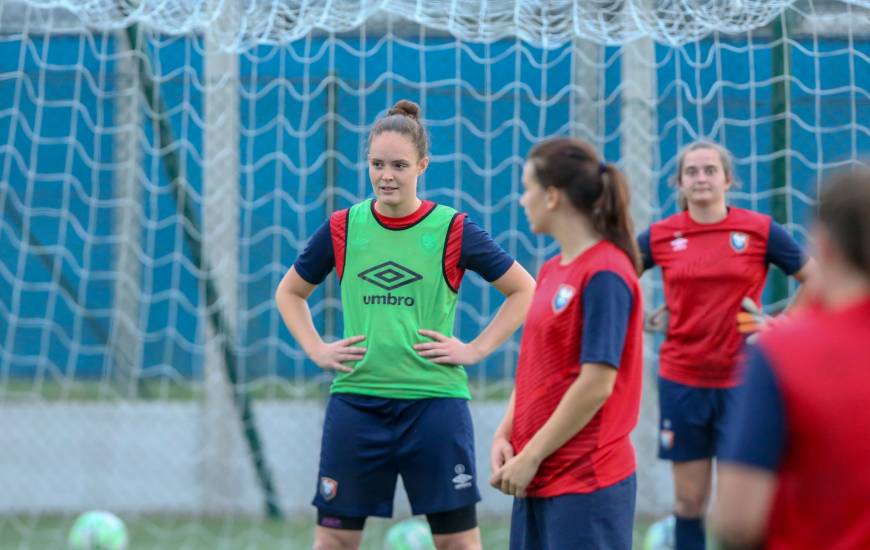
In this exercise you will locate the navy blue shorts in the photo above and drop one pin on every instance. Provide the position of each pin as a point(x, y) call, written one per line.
point(603, 519)
point(369, 441)
point(692, 420)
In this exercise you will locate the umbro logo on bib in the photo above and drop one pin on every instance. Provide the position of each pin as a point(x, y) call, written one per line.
point(389, 276)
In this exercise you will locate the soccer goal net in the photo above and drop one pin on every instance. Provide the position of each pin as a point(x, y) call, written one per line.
point(163, 162)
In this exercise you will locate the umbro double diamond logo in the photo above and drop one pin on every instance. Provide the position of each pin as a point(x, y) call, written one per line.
point(389, 276)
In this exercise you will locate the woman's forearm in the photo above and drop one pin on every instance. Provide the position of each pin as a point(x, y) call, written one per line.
point(297, 317)
point(519, 289)
point(505, 322)
point(507, 423)
point(581, 402)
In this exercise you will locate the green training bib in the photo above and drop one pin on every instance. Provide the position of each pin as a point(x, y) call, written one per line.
point(394, 284)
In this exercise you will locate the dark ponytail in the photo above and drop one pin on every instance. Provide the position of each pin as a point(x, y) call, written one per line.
point(611, 218)
point(596, 189)
point(844, 210)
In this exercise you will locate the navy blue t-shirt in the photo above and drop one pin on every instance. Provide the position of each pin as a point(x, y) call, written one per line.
point(607, 304)
point(479, 253)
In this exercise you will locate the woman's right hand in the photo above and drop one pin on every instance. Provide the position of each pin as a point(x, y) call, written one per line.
point(656, 320)
point(501, 452)
point(332, 355)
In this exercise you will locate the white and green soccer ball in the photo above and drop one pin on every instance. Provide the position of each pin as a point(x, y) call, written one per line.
point(98, 530)
point(410, 534)
point(661, 535)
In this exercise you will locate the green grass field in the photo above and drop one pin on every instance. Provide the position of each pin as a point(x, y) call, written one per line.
point(49, 532)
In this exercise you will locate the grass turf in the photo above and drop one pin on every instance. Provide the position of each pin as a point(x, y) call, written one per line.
point(146, 532)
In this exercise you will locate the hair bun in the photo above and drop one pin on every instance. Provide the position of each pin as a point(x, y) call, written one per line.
point(406, 108)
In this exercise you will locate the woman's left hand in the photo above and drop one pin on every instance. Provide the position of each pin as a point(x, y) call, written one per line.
point(514, 477)
point(447, 350)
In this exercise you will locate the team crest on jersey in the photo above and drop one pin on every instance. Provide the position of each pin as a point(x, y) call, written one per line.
point(739, 241)
point(429, 242)
point(563, 297)
point(328, 488)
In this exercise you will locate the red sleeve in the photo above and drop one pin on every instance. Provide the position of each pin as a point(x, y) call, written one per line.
point(338, 233)
point(453, 253)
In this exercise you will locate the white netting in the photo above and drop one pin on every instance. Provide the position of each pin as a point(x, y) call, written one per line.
point(153, 193)
point(540, 22)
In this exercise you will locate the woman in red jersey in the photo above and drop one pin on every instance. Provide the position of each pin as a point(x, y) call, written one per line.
point(713, 257)
point(563, 448)
point(794, 469)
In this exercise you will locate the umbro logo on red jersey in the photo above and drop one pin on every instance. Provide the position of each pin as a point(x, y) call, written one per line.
point(679, 244)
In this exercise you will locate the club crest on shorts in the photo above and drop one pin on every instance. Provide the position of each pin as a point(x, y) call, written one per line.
point(666, 436)
point(739, 241)
point(563, 297)
point(666, 439)
point(328, 488)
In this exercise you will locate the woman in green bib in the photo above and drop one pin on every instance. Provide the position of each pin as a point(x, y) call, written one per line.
point(399, 403)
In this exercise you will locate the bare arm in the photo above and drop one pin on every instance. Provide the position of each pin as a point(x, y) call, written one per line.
point(743, 498)
point(292, 299)
point(518, 287)
point(502, 450)
point(805, 292)
point(584, 398)
point(507, 423)
point(751, 320)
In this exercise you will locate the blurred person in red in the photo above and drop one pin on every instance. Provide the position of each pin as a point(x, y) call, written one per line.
point(793, 473)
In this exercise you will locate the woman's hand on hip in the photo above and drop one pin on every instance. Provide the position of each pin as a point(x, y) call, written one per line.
point(333, 355)
point(447, 350)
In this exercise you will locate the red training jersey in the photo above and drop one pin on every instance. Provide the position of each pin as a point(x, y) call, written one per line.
point(821, 363)
point(601, 454)
point(707, 270)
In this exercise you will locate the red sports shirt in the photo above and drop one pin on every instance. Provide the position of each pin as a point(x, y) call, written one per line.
point(601, 454)
point(821, 363)
point(707, 270)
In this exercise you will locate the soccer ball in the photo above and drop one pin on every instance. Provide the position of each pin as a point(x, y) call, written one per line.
point(98, 530)
point(410, 534)
point(660, 535)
